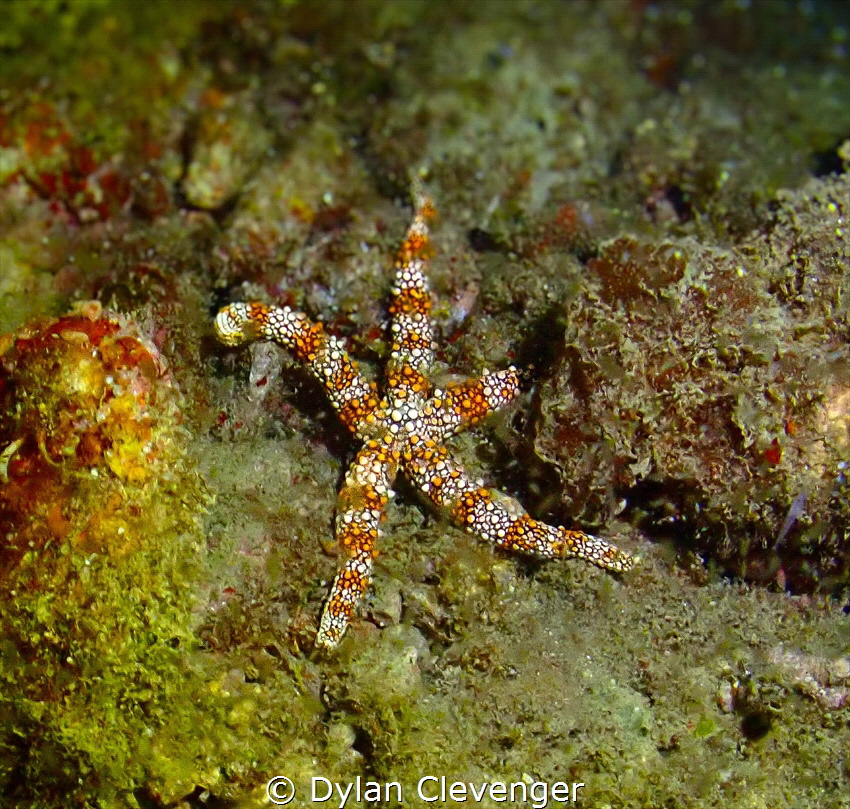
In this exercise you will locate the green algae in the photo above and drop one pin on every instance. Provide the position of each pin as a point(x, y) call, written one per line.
point(100, 555)
point(109, 698)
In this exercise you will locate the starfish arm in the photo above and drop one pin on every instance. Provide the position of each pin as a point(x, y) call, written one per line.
point(412, 350)
point(352, 396)
point(498, 518)
point(360, 510)
point(460, 406)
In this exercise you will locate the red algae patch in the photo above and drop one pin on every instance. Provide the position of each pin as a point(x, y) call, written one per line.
point(87, 407)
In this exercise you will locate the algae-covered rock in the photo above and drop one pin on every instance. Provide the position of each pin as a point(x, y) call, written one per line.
point(99, 559)
point(711, 387)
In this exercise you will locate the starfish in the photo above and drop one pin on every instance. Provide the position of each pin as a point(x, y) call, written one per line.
point(406, 429)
